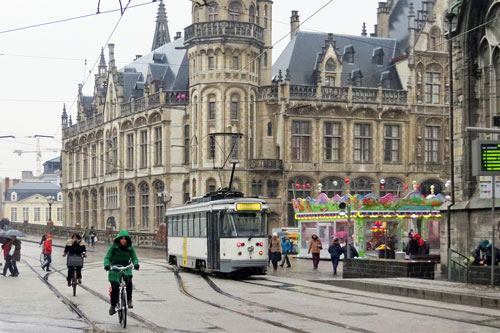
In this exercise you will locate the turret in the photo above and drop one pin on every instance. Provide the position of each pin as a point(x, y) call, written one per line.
point(102, 64)
point(294, 23)
point(64, 118)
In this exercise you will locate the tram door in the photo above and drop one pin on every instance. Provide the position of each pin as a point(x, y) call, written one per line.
point(213, 240)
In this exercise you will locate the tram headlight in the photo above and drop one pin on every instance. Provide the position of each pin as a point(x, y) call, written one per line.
point(261, 252)
point(240, 244)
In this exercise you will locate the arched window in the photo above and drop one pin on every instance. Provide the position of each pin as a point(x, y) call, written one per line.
point(251, 14)
point(269, 129)
point(234, 11)
point(330, 65)
point(213, 11)
point(101, 205)
point(265, 17)
point(78, 208)
point(256, 188)
point(272, 188)
point(159, 187)
point(144, 190)
point(425, 187)
point(485, 86)
point(71, 209)
point(391, 185)
point(299, 188)
point(435, 42)
point(333, 186)
point(93, 195)
point(130, 190)
point(235, 107)
point(361, 186)
point(86, 208)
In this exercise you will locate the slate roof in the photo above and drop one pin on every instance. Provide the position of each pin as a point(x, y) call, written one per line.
point(398, 20)
point(301, 53)
point(167, 63)
point(27, 189)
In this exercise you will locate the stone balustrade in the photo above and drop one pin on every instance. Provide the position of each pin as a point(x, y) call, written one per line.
point(265, 164)
point(224, 29)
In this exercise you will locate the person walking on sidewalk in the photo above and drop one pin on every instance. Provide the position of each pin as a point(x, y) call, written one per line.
point(335, 251)
point(47, 252)
point(275, 249)
point(92, 235)
point(6, 247)
point(286, 248)
point(315, 247)
point(16, 254)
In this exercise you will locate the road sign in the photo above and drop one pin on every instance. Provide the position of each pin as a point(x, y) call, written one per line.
point(486, 157)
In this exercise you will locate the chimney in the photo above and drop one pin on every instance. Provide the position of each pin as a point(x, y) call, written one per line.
point(294, 23)
point(7, 183)
point(178, 35)
point(111, 48)
point(137, 56)
point(363, 30)
point(383, 19)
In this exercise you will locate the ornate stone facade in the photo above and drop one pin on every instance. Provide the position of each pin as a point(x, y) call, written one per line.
point(354, 107)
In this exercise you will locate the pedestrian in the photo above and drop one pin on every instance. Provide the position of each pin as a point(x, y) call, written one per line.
point(411, 247)
point(353, 251)
point(286, 248)
point(269, 250)
point(47, 252)
point(315, 247)
point(75, 246)
point(16, 254)
point(92, 235)
point(86, 235)
point(121, 252)
point(275, 249)
point(7, 255)
point(335, 251)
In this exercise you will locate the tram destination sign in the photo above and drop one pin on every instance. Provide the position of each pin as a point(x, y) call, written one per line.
point(486, 157)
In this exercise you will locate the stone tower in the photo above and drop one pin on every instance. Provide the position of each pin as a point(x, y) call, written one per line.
point(229, 52)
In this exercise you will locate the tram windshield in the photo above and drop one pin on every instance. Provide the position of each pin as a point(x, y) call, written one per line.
point(244, 224)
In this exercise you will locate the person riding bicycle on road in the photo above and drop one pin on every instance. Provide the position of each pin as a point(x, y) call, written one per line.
point(75, 247)
point(121, 253)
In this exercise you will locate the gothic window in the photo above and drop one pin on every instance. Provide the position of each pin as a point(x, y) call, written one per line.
point(158, 146)
point(391, 185)
point(159, 187)
point(186, 144)
point(235, 107)
point(236, 62)
point(265, 17)
point(432, 144)
point(433, 84)
point(130, 190)
point(234, 11)
point(144, 149)
point(392, 143)
point(77, 165)
point(348, 54)
point(93, 194)
point(251, 14)
point(378, 56)
point(435, 41)
point(211, 62)
point(71, 208)
point(78, 207)
point(332, 141)
point(256, 188)
point(332, 186)
point(425, 187)
point(211, 147)
point(211, 108)
point(330, 65)
point(234, 148)
point(144, 189)
point(362, 142)
point(272, 188)
point(130, 152)
point(485, 85)
point(85, 163)
point(299, 188)
point(301, 136)
point(361, 186)
point(269, 129)
point(86, 208)
point(93, 166)
point(114, 153)
point(213, 11)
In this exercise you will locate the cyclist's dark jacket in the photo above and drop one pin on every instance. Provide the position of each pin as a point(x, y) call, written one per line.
point(118, 255)
point(75, 248)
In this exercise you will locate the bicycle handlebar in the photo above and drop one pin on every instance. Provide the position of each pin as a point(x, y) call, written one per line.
point(122, 268)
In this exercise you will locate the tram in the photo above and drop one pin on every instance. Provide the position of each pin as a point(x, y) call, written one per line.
point(220, 232)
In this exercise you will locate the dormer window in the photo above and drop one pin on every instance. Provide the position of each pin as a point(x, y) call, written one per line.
point(385, 80)
point(378, 56)
point(234, 11)
point(349, 54)
point(356, 77)
point(59, 196)
point(330, 65)
point(13, 196)
point(213, 11)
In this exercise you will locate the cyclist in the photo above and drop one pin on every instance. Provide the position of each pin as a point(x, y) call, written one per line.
point(121, 253)
point(75, 247)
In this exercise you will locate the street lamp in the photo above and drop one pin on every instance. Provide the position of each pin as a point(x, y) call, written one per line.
point(50, 200)
point(165, 198)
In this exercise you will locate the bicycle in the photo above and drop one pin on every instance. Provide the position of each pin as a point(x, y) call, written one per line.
point(42, 258)
point(122, 294)
point(75, 261)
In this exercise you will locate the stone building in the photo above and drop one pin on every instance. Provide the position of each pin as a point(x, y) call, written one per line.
point(332, 107)
point(476, 61)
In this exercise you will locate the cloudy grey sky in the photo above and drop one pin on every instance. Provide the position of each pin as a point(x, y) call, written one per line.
point(41, 67)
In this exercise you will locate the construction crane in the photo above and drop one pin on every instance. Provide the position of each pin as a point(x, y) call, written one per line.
point(38, 153)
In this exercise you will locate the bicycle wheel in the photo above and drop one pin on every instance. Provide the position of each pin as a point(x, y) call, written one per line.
point(42, 259)
point(74, 282)
point(124, 306)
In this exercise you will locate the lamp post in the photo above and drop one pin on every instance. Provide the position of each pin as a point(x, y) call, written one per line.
point(50, 200)
point(165, 198)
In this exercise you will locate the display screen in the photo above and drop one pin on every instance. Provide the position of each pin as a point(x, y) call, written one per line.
point(490, 156)
point(248, 206)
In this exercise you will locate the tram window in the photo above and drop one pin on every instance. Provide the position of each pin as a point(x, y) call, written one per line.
point(191, 225)
point(169, 224)
point(184, 226)
point(197, 225)
point(203, 225)
point(174, 226)
point(228, 228)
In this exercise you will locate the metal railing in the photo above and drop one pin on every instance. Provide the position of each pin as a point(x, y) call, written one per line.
point(458, 267)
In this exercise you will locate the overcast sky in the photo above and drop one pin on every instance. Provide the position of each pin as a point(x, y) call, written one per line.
point(41, 67)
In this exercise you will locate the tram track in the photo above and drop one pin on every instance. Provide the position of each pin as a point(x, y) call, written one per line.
point(295, 288)
point(72, 306)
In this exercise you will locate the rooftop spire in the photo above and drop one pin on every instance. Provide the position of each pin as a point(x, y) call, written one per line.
point(162, 35)
point(102, 62)
point(363, 31)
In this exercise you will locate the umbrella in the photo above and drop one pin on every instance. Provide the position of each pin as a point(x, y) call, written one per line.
point(16, 233)
point(4, 238)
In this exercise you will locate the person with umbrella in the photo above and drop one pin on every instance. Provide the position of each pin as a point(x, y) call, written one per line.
point(6, 247)
point(16, 254)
